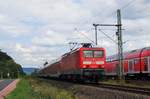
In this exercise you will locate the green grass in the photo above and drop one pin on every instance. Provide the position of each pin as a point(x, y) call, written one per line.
point(38, 89)
point(23, 91)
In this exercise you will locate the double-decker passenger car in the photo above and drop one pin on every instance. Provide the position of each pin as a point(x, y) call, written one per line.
point(80, 64)
point(136, 64)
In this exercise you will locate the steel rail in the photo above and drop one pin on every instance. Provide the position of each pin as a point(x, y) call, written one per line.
point(137, 90)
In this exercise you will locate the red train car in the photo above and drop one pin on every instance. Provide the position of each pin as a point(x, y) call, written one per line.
point(52, 70)
point(80, 64)
point(136, 64)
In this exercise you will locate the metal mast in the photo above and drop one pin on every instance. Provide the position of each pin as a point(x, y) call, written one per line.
point(120, 46)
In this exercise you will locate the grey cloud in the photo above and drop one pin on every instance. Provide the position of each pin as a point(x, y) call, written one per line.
point(39, 17)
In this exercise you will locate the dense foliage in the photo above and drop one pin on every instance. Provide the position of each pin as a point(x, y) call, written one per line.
point(8, 67)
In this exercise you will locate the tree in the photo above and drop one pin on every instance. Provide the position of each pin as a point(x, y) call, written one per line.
point(8, 67)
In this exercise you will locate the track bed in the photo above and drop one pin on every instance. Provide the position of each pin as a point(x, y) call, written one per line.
point(94, 91)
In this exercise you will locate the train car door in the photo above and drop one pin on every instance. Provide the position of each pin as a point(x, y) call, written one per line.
point(131, 66)
point(145, 64)
point(149, 64)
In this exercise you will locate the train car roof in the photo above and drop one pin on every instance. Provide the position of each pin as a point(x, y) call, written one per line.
point(92, 48)
point(128, 55)
point(81, 48)
point(137, 53)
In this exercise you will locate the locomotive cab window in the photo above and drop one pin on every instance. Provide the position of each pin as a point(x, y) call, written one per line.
point(98, 54)
point(94, 53)
point(88, 53)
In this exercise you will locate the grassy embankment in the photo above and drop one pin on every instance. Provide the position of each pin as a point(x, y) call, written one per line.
point(38, 89)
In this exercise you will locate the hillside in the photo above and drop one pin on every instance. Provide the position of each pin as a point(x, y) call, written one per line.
point(28, 71)
point(8, 67)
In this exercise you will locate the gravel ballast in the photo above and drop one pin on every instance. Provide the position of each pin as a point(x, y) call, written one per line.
point(89, 92)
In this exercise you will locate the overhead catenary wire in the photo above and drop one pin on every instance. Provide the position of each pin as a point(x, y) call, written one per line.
point(123, 7)
point(84, 36)
point(87, 37)
point(107, 36)
point(128, 4)
point(144, 9)
point(146, 16)
point(139, 11)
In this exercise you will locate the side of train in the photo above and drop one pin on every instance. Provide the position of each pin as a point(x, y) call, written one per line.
point(136, 64)
point(81, 65)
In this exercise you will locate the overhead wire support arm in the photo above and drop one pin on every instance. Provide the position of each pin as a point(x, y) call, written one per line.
point(107, 24)
point(96, 25)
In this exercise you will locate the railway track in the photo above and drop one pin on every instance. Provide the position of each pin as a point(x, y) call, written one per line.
point(137, 90)
point(139, 82)
point(130, 89)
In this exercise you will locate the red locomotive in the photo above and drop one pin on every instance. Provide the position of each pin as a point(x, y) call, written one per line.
point(80, 64)
point(136, 64)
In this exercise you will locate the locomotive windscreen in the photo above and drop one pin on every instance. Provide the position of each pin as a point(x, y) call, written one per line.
point(88, 53)
point(93, 53)
point(98, 54)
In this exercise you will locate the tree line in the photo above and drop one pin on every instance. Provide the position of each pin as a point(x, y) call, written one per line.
point(8, 67)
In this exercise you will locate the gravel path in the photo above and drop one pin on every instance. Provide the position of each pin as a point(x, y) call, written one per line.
point(5, 83)
point(7, 86)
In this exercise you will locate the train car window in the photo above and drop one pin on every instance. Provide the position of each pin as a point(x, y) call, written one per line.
point(148, 48)
point(130, 66)
point(88, 53)
point(117, 68)
point(107, 59)
point(136, 61)
point(145, 64)
point(98, 54)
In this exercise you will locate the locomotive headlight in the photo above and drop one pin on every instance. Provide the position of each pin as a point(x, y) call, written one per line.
point(102, 66)
point(84, 66)
point(99, 62)
point(87, 62)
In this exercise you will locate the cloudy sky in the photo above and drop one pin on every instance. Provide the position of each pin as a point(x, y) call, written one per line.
point(33, 31)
